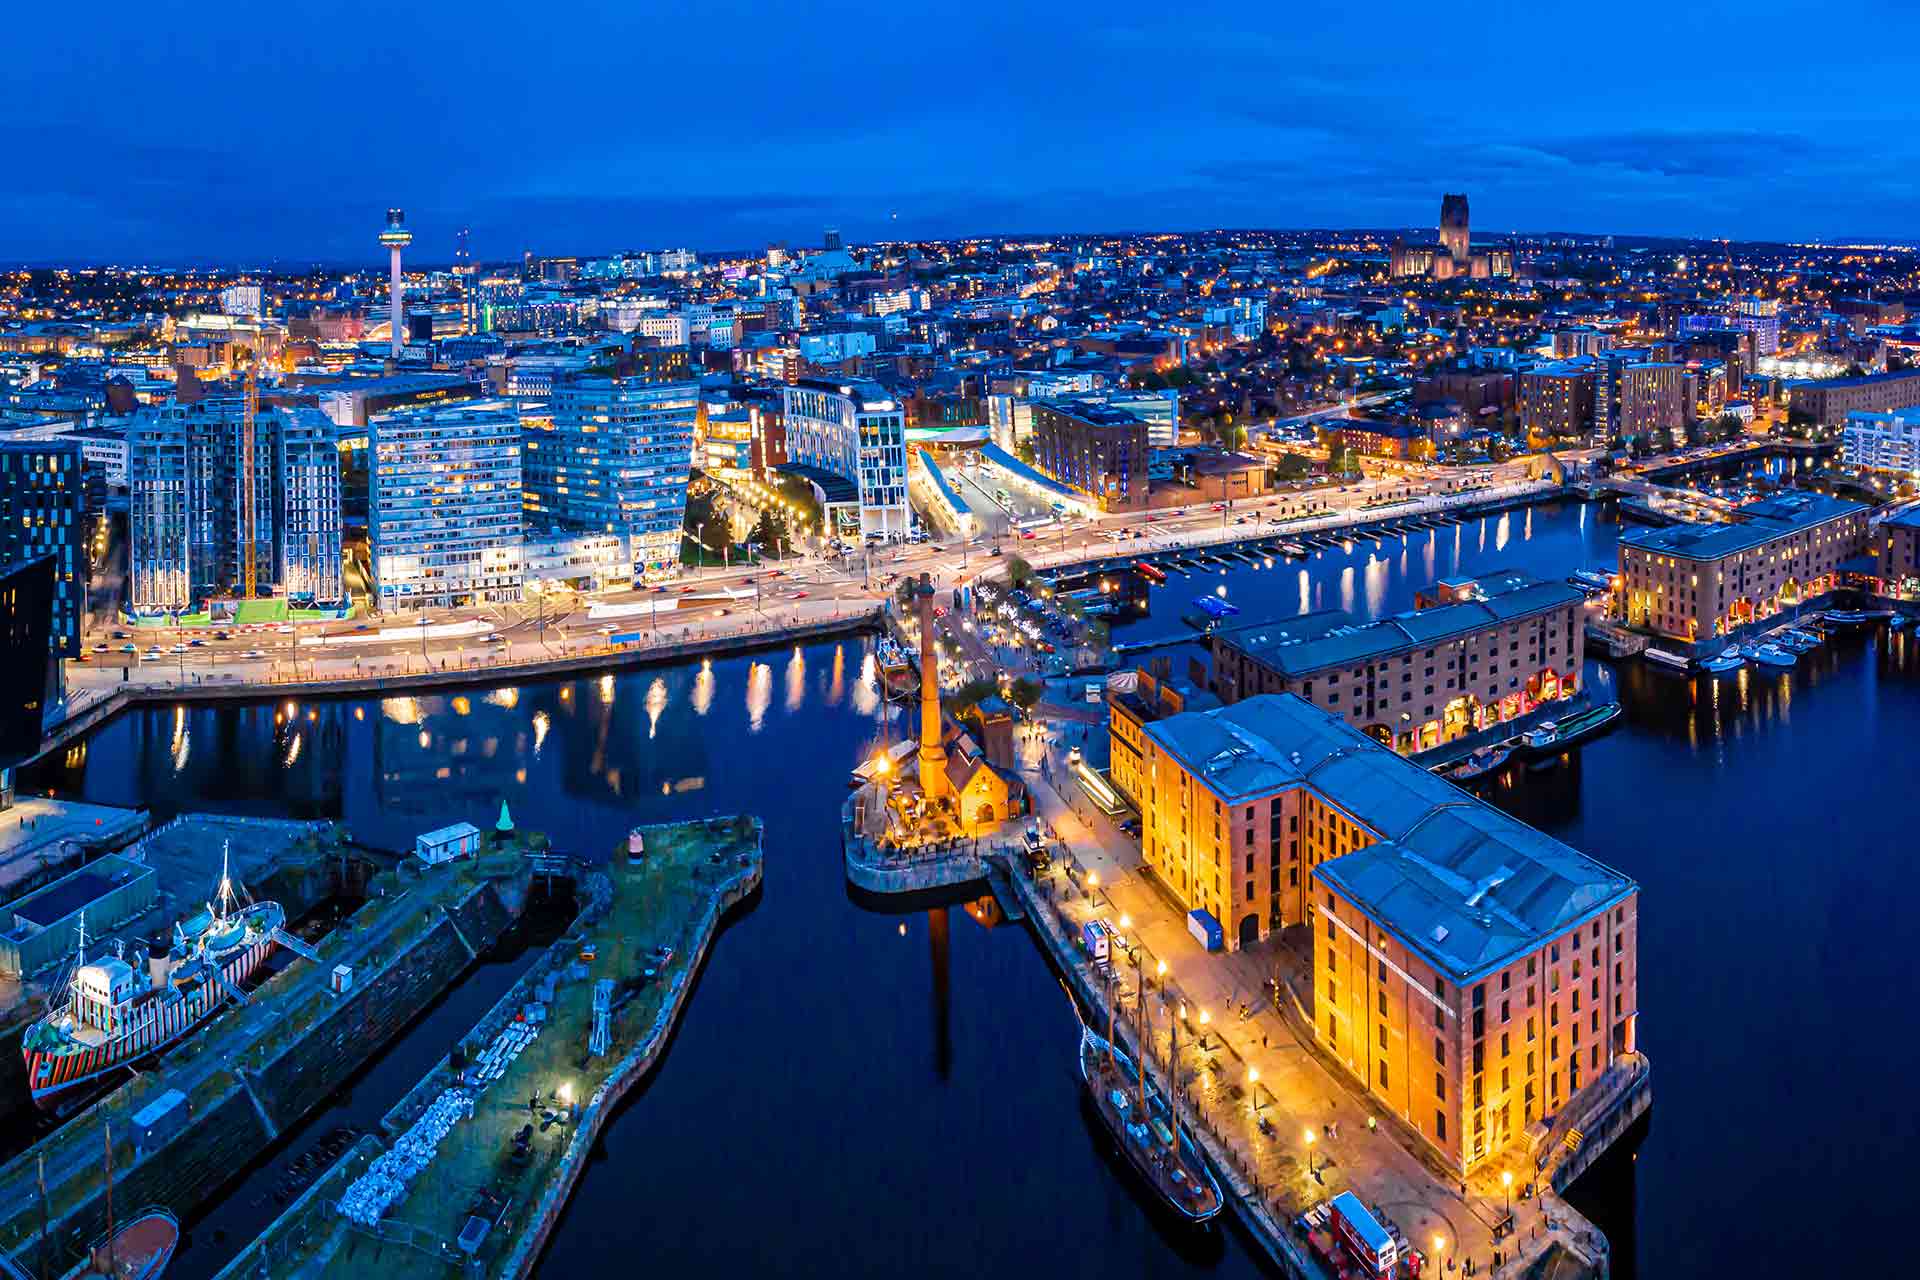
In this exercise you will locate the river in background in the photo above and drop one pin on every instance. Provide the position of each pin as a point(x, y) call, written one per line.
point(875, 1092)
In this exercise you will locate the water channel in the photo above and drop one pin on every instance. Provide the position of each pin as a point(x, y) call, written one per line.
point(882, 1091)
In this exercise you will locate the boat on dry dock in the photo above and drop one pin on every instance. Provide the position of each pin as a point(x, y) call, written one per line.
point(108, 1013)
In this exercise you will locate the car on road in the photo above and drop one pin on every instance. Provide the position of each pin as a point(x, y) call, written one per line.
point(129, 648)
point(119, 635)
point(994, 552)
point(221, 635)
point(362, 626)
point(687, 590)
point(799, 595)
point(494, 637)
point(1026, 535)
point(196, 642)
point(283, 630)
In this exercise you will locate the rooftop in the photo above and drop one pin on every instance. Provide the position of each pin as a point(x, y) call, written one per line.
point(1754, 525)
point(1462, 883)
point(1311, 642)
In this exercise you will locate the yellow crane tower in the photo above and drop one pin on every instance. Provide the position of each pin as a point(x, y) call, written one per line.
point(249, 529)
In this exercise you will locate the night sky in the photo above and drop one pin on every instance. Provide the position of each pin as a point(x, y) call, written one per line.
point(165, 132)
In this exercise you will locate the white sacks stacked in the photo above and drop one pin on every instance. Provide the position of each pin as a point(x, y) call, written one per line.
point(493, 1063)
point(377, 1190)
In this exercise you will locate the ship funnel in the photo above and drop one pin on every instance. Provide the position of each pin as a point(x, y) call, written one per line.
point(157, 965)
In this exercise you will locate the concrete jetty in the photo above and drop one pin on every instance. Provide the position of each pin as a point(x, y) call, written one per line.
point(498, 1179)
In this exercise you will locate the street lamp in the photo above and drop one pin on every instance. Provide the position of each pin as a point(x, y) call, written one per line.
point(1506, 1184)
point(1439, 1247)
point(1311, 1171)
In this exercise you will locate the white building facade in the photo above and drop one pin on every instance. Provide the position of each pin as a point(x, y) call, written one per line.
point(444, 506)
point(1887, 441)
point(856, 431)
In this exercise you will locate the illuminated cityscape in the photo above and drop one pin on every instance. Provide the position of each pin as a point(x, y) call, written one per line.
point(1160, 656)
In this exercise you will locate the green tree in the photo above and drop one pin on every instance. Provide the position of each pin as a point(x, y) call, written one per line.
point(708, 532)
point(1026, 691)
point(970, 695)
point(1293, 466)
point(1019, 572)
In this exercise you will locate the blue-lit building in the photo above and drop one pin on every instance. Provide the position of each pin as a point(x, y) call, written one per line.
point(857, 431)
point(444, 506)
point(43, 513)
point(614, 455)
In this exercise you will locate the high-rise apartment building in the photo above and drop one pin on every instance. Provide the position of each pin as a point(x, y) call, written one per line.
point(614, 455)
point(187, 504)
point(857, 431)
point(307, 537)
point(1556, 400)
point(444, 506)
point(43, 514)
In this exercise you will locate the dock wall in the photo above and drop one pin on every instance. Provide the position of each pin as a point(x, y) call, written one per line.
point(233, 1117)
point(633, 1068)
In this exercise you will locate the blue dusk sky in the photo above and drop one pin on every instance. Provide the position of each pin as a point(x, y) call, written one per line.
point(171, 132)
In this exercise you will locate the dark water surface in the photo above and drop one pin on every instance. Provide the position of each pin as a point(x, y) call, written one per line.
point(873, 1092)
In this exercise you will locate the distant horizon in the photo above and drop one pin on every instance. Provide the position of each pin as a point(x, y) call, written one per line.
point(374, 261)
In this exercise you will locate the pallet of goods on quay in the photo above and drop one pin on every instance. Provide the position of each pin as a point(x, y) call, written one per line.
point(384, 1183)
point(498, 1056)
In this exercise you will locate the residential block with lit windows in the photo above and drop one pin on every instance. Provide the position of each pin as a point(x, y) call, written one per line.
point(1696, 581)
point(1473, 973)
point(1475, 652)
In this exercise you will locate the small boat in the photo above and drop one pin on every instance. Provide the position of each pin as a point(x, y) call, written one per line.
point(1724, 663)
point(140, 1250)
point(1667, 659)
point(1556, 736)
point(1483, 761)
point(1900, 621)
point(1797, 640)
point(1589, 580)
point(1844, 617)
point(1772, 655)
point(1146, 1126)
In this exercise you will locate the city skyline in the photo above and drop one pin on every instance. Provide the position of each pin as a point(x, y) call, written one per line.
point(834, 120)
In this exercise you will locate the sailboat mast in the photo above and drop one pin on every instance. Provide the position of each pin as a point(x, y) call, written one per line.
point(106, 1133)
point(1112, 1003)
point(1141, 1049)
point(1173, 1083)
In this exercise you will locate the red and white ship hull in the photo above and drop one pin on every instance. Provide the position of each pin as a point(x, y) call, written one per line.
point(53, 1071)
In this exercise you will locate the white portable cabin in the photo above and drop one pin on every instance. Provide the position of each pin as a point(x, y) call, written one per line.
point(459, 840)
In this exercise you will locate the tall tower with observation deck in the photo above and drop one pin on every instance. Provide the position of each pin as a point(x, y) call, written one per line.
point(396, 237)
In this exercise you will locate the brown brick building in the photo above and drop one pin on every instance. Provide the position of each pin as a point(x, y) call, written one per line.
point(1828, 403)
point(1096, 449)
point(1697, 581)
point(1556, 400)
point(1482, 651)
point(1472, 972)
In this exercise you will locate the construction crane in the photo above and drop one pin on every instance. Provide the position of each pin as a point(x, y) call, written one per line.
point(249, 530)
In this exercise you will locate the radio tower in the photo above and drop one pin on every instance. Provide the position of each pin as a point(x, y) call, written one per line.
point(396, 237)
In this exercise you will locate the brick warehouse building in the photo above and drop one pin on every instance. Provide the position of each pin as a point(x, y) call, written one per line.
point(1474, 973)
point(1696, 581)
point(1480, 652)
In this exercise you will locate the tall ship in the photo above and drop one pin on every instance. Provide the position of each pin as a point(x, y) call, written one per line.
point(1145, 1125)
point(107, 1013)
